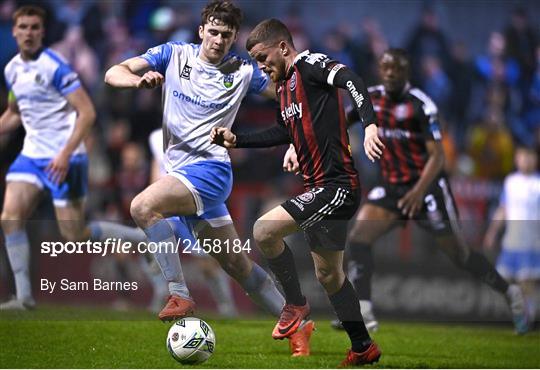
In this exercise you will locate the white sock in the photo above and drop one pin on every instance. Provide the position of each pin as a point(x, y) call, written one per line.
point(103, 230)
point(18, 250)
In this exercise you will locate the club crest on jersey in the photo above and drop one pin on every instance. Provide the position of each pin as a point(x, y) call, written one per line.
point(292, 83)
point(186, 72)
point(38, 79)
point(306, 198)
point(228, 80)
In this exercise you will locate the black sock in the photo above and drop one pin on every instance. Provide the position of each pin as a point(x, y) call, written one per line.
point(285, 270)
point(361, 269)
point(479, 266)
point(347, 307)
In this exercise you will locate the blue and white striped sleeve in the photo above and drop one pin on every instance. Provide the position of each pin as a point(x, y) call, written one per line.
point(158, 57)
point(259, 80)
point(65, 79)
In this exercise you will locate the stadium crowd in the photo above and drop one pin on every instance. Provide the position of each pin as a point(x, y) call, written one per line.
point(489, 102)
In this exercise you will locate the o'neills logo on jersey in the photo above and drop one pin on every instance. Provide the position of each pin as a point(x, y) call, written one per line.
point(292, 111)
point(358, 98)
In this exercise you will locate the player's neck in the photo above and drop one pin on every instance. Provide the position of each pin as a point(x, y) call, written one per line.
point(289, 60)
point(27, 56)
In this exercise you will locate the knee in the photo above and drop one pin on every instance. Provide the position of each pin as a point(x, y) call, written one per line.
point(73, 233)
point(330, 278)
point(265, 236)
point(141, 211)
point(11, 221)
point(236, 265)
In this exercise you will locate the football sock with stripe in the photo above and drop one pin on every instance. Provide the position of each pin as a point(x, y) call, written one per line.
point(263, 291)
point(167, 257)
point(347, 308)
point(284, 268)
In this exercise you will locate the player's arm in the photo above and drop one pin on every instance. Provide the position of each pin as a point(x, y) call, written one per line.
point(86, 115)
point(413, 200)
point(11, 118)
point(133, 73)
point(495, 228)
point(340, 76)
point(275, 135)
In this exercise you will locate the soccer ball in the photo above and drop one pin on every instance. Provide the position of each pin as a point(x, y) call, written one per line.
point(191, 341)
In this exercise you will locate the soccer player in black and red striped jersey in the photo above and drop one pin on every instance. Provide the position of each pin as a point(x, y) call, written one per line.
point(413, 186)
point(311, 116)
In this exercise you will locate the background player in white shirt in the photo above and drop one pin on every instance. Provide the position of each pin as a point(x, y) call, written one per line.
point(47, 98)
point(519, 214)
point(203, 86)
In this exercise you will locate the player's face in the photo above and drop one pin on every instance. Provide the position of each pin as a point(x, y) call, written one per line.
point(270, 60)
point(28, 32)
point(394, 72)
point(217, 39)
point(526, 160)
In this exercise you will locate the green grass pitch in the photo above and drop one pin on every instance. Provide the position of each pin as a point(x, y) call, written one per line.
point(54, 337)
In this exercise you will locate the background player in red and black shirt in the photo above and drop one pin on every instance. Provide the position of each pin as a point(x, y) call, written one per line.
point(413, 185)
point(311, 116)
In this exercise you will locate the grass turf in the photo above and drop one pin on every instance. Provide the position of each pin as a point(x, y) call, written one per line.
point(92, 338)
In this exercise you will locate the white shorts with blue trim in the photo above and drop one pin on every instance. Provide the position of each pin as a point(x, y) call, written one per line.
point(32, 171)
point(210, 183)
point(519, 265)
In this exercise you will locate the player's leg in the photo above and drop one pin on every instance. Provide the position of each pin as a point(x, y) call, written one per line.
point(329, 271)
point(268, 232)
point(254, 280)
point(439, 202)
point(370, 224)
point(150, 210)
point(20, 200)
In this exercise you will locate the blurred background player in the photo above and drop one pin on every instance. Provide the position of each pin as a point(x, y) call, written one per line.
point(203, 86)
point(311, 116)
point(413, 186)
point(215, 278)
point(519, 215)
point(47, 98)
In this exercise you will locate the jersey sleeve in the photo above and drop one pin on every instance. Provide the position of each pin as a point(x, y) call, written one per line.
point(158, 57)
point(65, 79)
point(429, 117)
point(259, 80)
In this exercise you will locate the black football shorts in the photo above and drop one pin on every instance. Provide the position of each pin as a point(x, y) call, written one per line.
point(439, 213)
point(323, 214)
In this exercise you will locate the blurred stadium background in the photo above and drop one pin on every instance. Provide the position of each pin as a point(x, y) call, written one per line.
point(479, 61)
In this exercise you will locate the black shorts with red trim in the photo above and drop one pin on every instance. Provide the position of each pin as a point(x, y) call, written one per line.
point(439, 213)
point(324, 214)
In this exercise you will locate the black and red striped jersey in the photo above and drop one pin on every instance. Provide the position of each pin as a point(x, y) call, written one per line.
point(405, 124)
point(312, 111)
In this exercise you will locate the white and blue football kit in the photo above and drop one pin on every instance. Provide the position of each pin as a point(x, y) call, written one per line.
point(520, 255)
point(198, 96)
point(40, 87)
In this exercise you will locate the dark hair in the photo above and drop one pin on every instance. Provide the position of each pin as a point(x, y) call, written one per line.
point(29, 10)
point(399, 53)
point(224, 11)
point(269, 32)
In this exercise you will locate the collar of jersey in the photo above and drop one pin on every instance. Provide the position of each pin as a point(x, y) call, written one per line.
point(296, 59)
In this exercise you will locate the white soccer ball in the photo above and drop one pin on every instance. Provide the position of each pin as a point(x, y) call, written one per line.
point(191, 341)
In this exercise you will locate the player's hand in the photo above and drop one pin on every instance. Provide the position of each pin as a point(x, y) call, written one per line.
point(411, 202)
point(57, 169)
point(222, 136)
point(150, 79)
point(373, 146)
point(290, 161)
